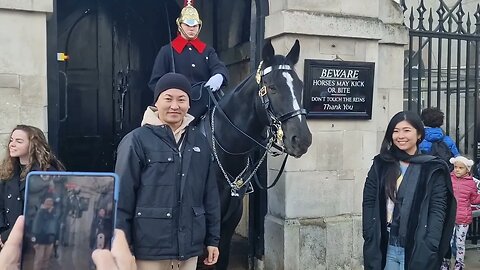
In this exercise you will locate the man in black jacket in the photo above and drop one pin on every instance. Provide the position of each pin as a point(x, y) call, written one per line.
point(168, 203)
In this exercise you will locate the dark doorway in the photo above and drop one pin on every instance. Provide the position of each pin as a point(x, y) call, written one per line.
point(103, 91)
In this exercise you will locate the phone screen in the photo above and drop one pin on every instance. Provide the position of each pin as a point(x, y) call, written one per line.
point(67, 216)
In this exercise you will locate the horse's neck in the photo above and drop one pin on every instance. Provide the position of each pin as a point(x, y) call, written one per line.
point(241, 108)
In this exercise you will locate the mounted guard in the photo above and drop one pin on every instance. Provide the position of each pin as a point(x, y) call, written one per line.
point(188, 55)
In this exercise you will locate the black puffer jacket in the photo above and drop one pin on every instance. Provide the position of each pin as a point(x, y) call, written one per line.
point(168, 203)
point(430, 226)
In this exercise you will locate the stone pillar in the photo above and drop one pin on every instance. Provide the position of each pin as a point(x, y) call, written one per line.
point(314, 217)
point(23, 64)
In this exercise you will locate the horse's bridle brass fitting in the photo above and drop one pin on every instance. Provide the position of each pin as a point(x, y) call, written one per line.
point(258, 75)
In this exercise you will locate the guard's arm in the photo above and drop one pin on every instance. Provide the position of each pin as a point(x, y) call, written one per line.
point(216, 66)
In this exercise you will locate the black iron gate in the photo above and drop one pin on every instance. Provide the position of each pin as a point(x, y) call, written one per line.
point(442, 69)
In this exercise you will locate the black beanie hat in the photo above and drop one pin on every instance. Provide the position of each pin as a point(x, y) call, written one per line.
point(169, 81)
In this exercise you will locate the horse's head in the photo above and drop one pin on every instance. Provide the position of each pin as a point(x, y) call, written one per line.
point(283, 97)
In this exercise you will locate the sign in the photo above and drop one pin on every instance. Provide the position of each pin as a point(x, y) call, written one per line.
point(338, 89)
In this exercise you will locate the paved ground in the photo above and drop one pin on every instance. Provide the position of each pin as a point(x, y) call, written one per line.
point(472, 257)
point(239, 254)
point(239, 259)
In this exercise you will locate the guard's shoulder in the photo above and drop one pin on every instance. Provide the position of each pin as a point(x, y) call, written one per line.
point(209, 49)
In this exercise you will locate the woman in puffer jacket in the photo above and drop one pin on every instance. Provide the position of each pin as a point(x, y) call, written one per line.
point(465, 191)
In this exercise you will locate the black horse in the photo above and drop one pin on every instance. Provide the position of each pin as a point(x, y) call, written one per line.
point(265, 109)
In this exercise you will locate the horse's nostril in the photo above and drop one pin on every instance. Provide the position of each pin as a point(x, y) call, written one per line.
point(294, 140)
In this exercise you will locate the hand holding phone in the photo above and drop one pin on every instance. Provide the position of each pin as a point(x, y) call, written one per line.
point(119, 258)
point(12, 249)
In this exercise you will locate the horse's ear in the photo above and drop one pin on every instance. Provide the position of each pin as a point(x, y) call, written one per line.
point(268, 52)
point(294, 53)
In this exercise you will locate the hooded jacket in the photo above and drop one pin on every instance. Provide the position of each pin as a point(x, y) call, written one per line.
point(168, 204)
point(465, 191)
point(431, 217)
point(433, 134)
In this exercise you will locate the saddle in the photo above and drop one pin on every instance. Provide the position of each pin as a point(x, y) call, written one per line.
point(200, 101)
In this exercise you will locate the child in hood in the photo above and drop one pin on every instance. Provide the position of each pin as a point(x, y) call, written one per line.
point(465, 191)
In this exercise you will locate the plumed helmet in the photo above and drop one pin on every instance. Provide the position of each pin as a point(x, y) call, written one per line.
point(189, 15)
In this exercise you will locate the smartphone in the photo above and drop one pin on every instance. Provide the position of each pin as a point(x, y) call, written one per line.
point(67, 216)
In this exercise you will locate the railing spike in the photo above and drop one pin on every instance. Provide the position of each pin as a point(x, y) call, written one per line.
point(411, 18)
point(421, 11)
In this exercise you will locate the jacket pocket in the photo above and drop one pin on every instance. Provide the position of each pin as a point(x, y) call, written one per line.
point(157, 164)
point(424, 256)
point(198, 226)
point(153, 227)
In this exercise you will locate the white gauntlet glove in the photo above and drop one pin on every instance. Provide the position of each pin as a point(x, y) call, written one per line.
point(215, 82)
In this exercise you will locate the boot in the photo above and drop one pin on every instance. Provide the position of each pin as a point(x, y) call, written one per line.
point(458, 266)
point(445, 264)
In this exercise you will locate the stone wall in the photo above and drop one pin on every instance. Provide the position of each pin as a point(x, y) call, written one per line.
point(314, 219)
point(23, 65)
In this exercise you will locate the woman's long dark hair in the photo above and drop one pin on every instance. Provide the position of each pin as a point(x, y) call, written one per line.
point(390, 153)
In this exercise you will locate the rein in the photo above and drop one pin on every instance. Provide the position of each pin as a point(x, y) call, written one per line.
point(274, 137)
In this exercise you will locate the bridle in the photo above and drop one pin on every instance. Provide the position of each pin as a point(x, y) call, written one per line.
point(274, 122)
point(274, 133)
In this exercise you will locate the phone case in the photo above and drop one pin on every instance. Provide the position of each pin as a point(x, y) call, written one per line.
point(67, 216)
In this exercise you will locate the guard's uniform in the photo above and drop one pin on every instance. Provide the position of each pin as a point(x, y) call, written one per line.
point(194, 59)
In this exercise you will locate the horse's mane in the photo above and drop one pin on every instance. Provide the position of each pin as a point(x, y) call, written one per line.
point(280, 59)
point(241, 84)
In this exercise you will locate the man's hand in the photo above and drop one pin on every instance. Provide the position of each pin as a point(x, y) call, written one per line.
point(212, 255)
point(12, 250)
point(119, 258)
point(215, 82)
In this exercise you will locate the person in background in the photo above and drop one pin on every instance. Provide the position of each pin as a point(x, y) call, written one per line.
point(476, 171)
point(466, 194)
point(44, 230)
point(99, 230)
point(408, 209)
point(191, 57)
point(27, 151)
point(436, 143)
